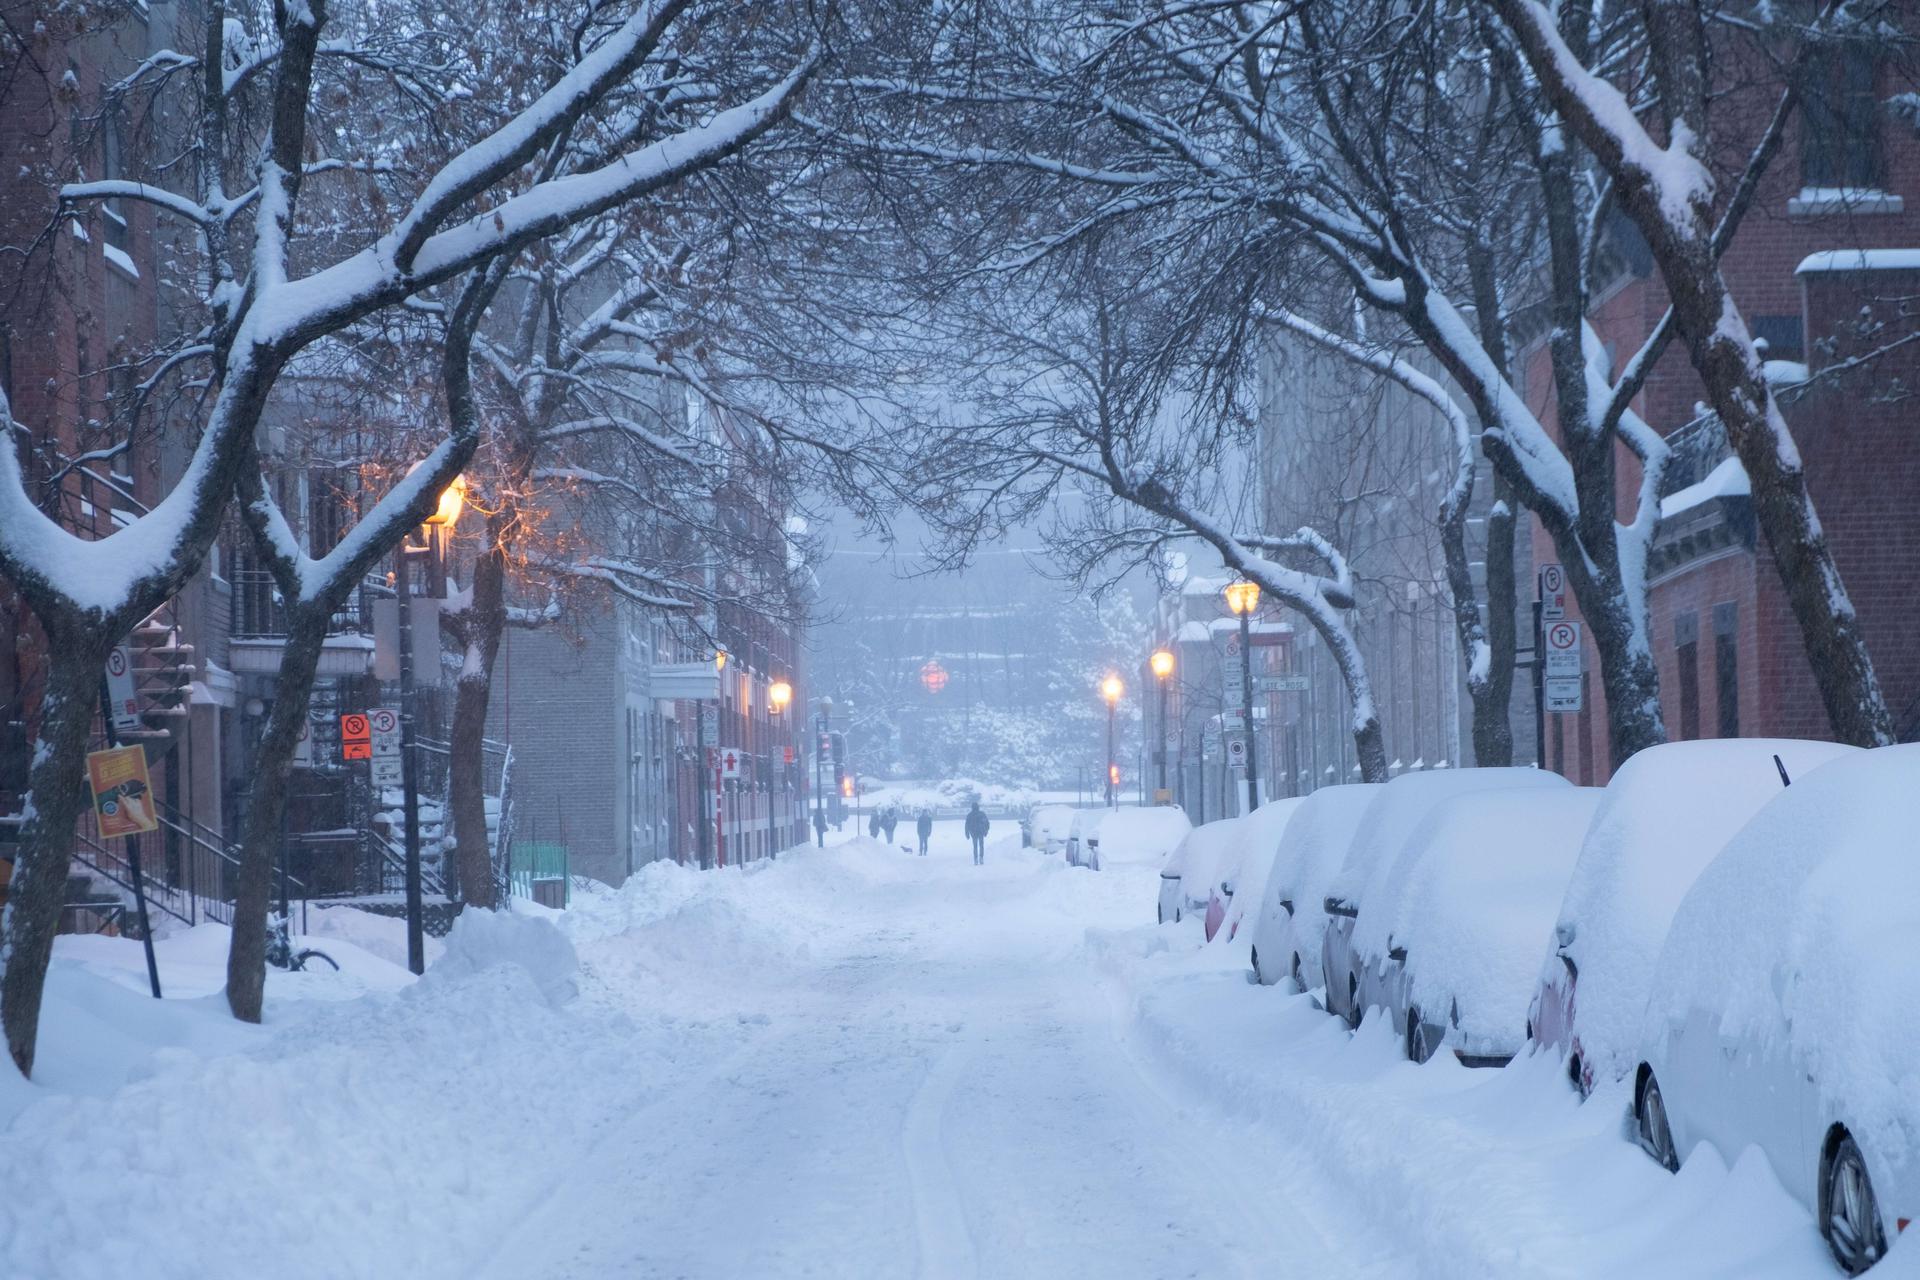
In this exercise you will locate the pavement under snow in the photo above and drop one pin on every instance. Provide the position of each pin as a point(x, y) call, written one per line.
point(853, 1062)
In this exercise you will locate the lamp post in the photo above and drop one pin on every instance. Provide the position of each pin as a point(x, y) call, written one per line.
point(1162, 664)
point(779, 694)
point(1111, 689)
point(436, 527)
point(1243, 598)
point(820, 748)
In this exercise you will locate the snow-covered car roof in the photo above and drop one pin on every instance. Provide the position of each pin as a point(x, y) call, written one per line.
point(1317, 843)
point(1401, 809)
point(1667, 812)
point(1806, 921)
point(1137, 835)
point(1478, 899)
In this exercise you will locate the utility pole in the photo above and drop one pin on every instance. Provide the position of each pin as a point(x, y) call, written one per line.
point(409, 762)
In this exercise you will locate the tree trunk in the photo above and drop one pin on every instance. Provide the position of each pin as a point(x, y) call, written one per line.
point(261, 833)
point(57, 792)
point(466, 781)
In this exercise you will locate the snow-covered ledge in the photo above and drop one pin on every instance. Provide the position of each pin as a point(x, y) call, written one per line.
point(1812, 202)
point(1859, 260)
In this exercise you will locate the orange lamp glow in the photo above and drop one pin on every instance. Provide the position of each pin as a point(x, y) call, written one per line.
point(1111, 689)
point(1243, 597)
point(1162, 663)
point(779, 694)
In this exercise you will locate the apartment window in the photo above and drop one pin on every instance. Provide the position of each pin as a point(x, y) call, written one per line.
point(1726, 668)
point(1686, 646)
point(1784, 335)
point(1840, 139)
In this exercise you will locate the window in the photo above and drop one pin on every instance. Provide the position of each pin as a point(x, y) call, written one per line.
point(1840, 137)
point(1686, 642)
point(1784, 336)
point(1726, 668)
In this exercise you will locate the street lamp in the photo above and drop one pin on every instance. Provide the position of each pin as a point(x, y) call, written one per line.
point(1162, 665)
point(819, 760)
point(436, 526)
point(1111, 689)
point(1243, 598)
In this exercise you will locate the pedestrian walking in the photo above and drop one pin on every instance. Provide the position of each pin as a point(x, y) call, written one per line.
point(977, 825)
point(924, 826)
point(889, 818)
point(820, 825)
point(873, 825)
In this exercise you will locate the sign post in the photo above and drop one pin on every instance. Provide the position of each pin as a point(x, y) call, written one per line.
point(122, 698)
point(384, 722)
point(1561, 666)
point(123, 804)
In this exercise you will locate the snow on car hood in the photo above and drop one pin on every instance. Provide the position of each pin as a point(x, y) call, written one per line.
point(1667, 812)
point(1483, 892)
point(1805, 926)
point(1206, 855)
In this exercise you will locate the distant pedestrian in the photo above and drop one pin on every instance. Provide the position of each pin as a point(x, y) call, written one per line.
point(820, 826)
point(924, 825)
point(977, 825)
point(873, 825)
point(889, 818)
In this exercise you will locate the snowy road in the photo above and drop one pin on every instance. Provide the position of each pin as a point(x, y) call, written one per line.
point(849, 1063)
point(938, 1088)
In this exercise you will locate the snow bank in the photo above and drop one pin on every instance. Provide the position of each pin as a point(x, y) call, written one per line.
point(1665, 815)
point(488, 940)
point(1314, 849)
point(1480, 900)
point(1805, 926)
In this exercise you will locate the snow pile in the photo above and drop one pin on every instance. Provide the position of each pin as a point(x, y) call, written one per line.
point(483, 941)
point(1666, 814)
point(1314, 848)
point(1479, 901)
point(1132, 836)
point(1804, 926)
point(1205, 856)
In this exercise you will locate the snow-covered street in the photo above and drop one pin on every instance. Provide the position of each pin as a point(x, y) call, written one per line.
point(853, 1062)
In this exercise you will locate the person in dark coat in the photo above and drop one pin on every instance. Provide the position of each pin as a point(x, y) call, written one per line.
point(873, 825)
point(889, 818)
point(977, 825)
point(924, 826)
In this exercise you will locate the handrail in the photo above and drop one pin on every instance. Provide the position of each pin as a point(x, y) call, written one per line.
point(103, 861)
point(396, 859)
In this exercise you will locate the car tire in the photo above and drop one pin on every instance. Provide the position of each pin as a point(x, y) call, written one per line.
point(1415, 1040)
point(1298, 980)
point(1353, 1002)
point(1256, 968)
point(1849, 1213)
point(1651, 1125)
point(1160, 913)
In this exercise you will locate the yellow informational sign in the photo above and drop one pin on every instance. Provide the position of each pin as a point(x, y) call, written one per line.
point(122, 795)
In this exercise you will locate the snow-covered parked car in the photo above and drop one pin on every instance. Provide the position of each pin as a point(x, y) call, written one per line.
point(1292, 911)
point(1240, 892)
point(1462, 922)
point(1666, 813)
point(1785, 1000)
point(1048, 826)
point(1192, 872)
point(1126, 836)
point(1387, 839)
point(1395, 818)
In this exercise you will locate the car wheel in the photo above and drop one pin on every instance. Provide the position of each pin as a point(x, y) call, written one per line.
point(1256, 967)
point(1353, 1002)
point(1298, 981)
point(1850, 1217)
point(1573, 1073)
point(1416, 1038)
point(1650, 1119)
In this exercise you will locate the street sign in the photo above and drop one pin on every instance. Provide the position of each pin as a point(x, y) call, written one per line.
point(121, 697)
point(1237, 751)
point(1563, 694)
point(356, 737)
point(1233, 644)
point(1163, 795)
point(122, 793)
point(709, 721)
point(731, 761)
point(1562, 648)
point(786, 755)
point(1288, 683)
point(1233, 721)
point(387, 772)
point(385, 724)
point(1553, 592)
point(303, 746)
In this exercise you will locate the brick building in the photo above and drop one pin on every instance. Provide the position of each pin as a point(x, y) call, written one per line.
point(1826, 268)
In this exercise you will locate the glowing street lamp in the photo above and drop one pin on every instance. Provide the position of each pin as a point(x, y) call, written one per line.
point(1111, 689)
point(1243, 598)
point(1161, 663)
point(779, 694)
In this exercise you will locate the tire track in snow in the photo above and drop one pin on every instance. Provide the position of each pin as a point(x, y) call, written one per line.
point(940, 1219)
